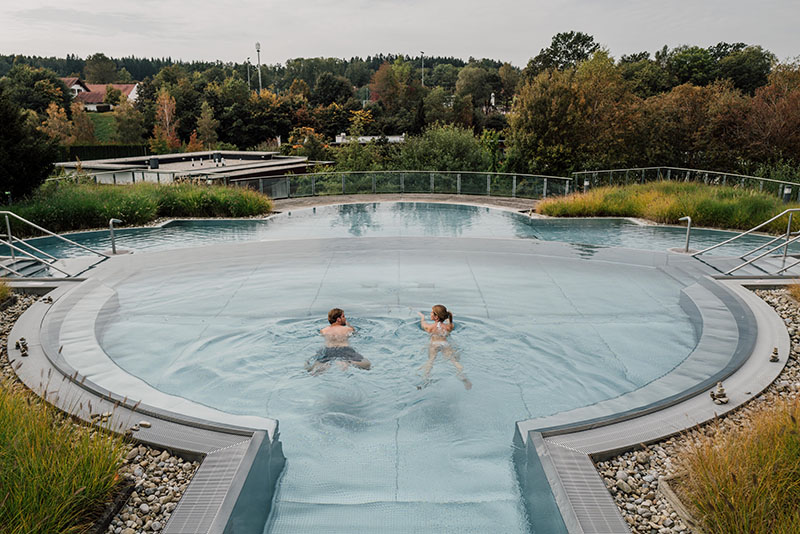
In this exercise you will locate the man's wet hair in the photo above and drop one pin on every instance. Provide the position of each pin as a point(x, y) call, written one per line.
point(334, 315)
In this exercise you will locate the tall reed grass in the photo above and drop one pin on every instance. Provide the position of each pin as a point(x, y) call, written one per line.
point(747, 480)
point(666, 202)
point(53, 473)
point(66, 206)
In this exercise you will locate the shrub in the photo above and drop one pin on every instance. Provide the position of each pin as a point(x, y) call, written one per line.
point(746, 480)
point(666, 202)
point(65, 206)
point(52, 471)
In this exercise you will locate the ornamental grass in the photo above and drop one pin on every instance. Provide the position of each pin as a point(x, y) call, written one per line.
point(65, 206)
point(55, 475)
point(666, 202)
point(747, 479)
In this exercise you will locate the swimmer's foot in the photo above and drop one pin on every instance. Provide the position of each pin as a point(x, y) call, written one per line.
point(467, 384)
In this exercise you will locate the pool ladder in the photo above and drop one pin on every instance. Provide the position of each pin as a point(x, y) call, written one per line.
point(27, 261)
point(783, 240)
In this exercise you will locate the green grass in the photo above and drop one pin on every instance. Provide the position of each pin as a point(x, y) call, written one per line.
point(666, 202)
point(748, 479)
point(104, 126)
point(53, 473)
point(66, 206)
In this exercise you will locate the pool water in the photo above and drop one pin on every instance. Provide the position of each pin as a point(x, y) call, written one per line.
point(380, 450)
point(401, 219)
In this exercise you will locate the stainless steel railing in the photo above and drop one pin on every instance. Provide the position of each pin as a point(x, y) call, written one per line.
point(783, 240)
point(42, 258)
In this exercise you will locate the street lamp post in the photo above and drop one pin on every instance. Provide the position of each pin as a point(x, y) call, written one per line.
point(258, 52)
point(248, 73)
point(422, 55)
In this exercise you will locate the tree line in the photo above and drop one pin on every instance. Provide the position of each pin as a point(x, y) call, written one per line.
point(730, 107)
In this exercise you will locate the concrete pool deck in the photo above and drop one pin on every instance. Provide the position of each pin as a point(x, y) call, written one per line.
point(734, 322)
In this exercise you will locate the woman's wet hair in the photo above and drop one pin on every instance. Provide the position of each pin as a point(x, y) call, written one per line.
point(334, 315)
point(442, 314)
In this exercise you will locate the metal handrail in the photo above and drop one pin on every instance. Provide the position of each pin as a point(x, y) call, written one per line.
point(9, 269)
point(48, 232)
point(32, 257)
point(510, 174)
point(768, 243)
point(734, 238)
point(721, 173)
point(767, 253)
point(42, 252)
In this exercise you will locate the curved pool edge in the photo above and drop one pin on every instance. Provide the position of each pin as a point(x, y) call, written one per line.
point(574, 492)
point(263, 450)
point(239, 466)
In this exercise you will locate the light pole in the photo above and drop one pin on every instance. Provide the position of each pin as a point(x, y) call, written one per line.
point(422, 55)
point(258, 52)
point(248, 73)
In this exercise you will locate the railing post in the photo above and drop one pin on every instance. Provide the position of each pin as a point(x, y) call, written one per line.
point(514, 187)
point(488, 185)
point(261, 185)
point(431, 182)
point(544, 188)
point(586, 184)
point(566, 188)
point(373, 184)
point(313, 186)
point(288, 188)
point(8, 230)
point(688, 231)
point(158, 177)
point(458, 183)
point(343, 184)
point(111, 231)
point(669, 174)
point(788, 236)
point(402, 182)
point(787, 194)
point(114, 179)
point(641, 178)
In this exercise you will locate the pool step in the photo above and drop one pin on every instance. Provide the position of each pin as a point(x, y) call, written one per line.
point(26, 268)
point(392, 517)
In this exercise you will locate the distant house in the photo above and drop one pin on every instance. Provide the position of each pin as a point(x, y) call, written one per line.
point(93, 95)
point(75, 86)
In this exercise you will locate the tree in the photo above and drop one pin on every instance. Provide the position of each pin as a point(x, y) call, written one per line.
point(35, 88)
point(445, 148)
point(691, 64)
point(331, 89)
point(129, 124)
point(444, 75)
point(194, 144)
point(646, 77)
point(165, 139)
point(509, 80)
point(566, 50)
point(385, 88)
point(100, 69)
point(27, 153)
point(56, 125)
point(113, 95)
point(300, 89)
point(436, 106)
point(207, 125)
point(748, 69)
point(474, 81)
point(82, 125)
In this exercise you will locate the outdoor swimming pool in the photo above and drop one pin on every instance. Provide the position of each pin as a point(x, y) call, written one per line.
point(540, 329)
point(412, 219)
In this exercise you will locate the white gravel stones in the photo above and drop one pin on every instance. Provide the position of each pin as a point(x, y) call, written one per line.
point(646, 511)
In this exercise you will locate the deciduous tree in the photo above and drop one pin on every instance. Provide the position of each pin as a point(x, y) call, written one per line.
point(100, 69)
point(164, 138)
point(82, 125)
point(207, 126)
point(129, 124)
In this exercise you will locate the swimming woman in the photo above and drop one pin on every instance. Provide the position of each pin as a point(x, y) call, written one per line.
point(439, 330)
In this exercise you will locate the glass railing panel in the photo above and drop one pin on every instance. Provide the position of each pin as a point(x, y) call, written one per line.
point(473, 184)
point(445, 183)
point(417, 182)
point(301, 186)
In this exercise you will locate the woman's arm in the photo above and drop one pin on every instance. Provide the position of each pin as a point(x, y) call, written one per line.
point(425, 326)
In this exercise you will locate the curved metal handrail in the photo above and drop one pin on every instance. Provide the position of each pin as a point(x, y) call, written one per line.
point(52, 234)
point(755, 228)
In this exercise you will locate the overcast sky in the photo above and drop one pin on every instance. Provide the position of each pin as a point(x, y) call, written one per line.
point(501, 29)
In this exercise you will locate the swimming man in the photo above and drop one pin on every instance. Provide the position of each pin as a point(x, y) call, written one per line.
point(337, 346)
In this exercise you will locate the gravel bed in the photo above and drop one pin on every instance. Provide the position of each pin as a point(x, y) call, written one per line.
point(160, 478)
point(632, 478)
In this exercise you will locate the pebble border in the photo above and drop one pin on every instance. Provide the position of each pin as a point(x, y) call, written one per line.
point(632, 478)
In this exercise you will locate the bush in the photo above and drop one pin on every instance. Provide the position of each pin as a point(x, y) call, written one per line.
point(52, 472)
point(746, 480)
point(62, 206)
point(666, 202)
